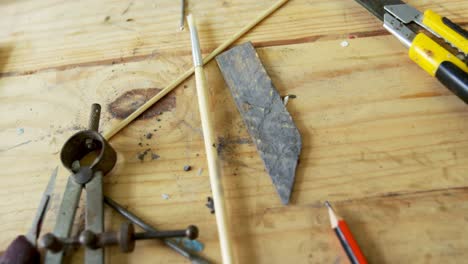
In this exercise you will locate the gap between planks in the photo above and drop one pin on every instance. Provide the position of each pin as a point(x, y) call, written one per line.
point(384, 196)
point(137, 58)
point(258, 44)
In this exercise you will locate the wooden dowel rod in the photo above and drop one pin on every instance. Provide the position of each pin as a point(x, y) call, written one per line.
point(244, 30)
point(119, 126)
point(203, 95)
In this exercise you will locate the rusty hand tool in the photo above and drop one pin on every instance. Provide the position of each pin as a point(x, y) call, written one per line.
point(23, 249)
point(194, 258)
point(88, 156)
point(125, 238)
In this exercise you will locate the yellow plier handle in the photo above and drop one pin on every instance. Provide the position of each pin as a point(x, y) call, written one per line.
point(447, 29)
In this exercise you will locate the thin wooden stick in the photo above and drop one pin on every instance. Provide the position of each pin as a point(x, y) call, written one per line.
point(119, 126)
point(210, 146)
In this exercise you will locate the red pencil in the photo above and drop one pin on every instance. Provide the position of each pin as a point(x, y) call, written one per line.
point(347, 241)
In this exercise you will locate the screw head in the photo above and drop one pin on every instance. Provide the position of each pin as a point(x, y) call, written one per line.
point(191, 232)
point(88, 239)
point(50, 242)
point(90, 144)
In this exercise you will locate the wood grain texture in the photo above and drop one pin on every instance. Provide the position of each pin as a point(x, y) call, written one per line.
point(385, 142)
point(39, 35)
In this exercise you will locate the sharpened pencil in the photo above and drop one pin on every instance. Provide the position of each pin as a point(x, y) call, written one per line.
point(347, 240)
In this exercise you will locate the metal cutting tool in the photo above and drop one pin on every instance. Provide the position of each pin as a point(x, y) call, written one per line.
point(406, 24)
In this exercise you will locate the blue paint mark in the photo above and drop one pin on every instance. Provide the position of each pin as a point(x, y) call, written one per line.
point(193, 245)
point(20, 131)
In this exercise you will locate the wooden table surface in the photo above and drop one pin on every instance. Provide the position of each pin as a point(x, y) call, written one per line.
point(382, 140)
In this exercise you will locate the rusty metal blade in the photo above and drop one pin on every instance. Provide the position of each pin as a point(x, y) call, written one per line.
point(268, 121)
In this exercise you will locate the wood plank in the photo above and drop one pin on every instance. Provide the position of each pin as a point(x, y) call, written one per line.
point(39, 35)
point(418, 228)
point(373, 125)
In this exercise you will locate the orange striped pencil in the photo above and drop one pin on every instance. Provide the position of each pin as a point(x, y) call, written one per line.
point(347, 240)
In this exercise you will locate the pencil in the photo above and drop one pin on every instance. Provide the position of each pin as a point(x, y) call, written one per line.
point(347, 240)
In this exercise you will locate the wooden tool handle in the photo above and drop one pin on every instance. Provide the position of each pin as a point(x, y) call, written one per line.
point(21, 251)
point(213, 166)
point(203, 95)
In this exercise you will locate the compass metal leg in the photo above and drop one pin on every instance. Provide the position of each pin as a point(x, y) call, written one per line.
point(95, 216)
point(65, 217)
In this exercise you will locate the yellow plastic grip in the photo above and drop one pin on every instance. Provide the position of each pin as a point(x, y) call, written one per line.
point(435, 22)
point(429, 55)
